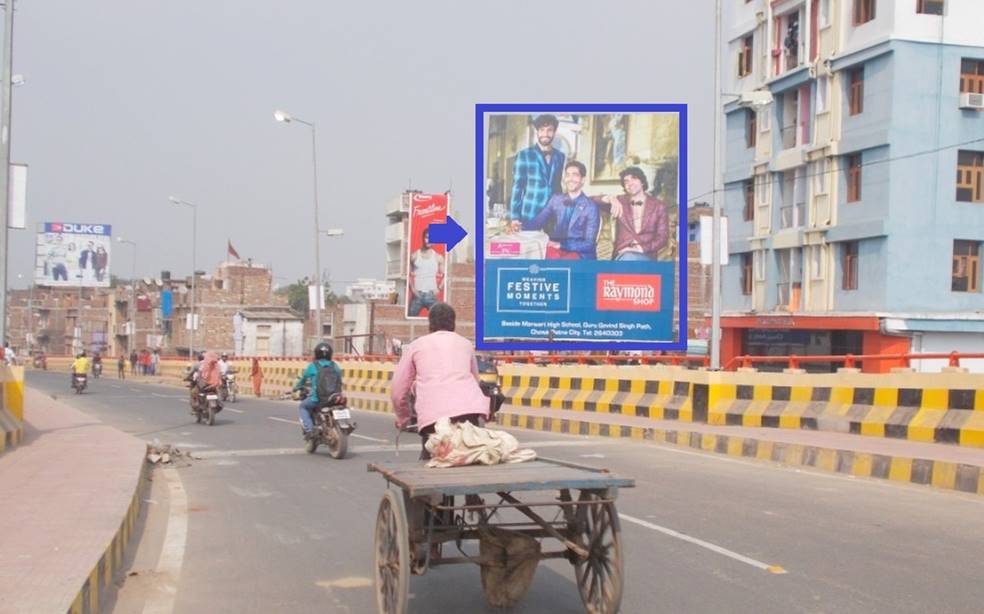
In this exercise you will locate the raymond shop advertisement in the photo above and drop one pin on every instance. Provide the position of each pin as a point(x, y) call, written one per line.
point(72, 255)
point(582, 211)
point(427, 272)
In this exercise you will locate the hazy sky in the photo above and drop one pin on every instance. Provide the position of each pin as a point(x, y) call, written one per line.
point(126, 103)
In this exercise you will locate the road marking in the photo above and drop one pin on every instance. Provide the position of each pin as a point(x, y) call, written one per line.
point(593, 455)
point(350, 582)
point(238, 411)
point(172, 552)
point(366, 437)
point(256, 452)
point(294, 422)
point(776, 569)
point(166, 396)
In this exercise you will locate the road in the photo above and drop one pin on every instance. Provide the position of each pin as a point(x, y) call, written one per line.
point(256, 525)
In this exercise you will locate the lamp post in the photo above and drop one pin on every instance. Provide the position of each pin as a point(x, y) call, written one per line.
point(194, 269)
point(286, 118)
point(131, 328)
point(5, 99)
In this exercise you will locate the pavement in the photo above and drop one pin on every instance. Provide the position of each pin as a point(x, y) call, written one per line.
point(257, 508)
point(68, 503)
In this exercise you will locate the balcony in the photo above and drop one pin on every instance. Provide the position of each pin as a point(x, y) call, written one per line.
point(399, 204)
point(395, 233)
point(395, 268)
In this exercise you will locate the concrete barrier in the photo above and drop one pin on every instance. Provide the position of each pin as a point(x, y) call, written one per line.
point(11, 407)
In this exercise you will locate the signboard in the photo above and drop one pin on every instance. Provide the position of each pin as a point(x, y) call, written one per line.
point(17, 197)
point(583, 223)
point(72, 255)
point(427, 273)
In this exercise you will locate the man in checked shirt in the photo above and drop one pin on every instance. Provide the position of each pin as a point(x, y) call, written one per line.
point(537, 172)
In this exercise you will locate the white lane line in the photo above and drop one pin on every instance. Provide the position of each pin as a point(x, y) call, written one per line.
point(161, 601)
point(134, 390)
point(115, 386)
point(167, 396)
point(238, 411)
point(366, 437)
point(294, 422)
point(776, 569)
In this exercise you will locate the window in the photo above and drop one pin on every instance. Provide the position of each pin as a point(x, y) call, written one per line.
point(816, 262)
point(759, 261)
point(966, 274)
point(864, 11)
point(822, 94)
point(824, 13)
point(749, 210)
point(263, 339)
point(929, 7)
point(854, 178)
point(855, 93)
point(746, 274)
point(972, 76)
point(751, 128)
point(970, 176)
point(820, 176)
point(850, 264)
point(764, 120)
point(745, 57)
point(763, 188)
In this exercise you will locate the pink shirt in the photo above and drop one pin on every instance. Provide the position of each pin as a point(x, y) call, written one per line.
point(441, 368)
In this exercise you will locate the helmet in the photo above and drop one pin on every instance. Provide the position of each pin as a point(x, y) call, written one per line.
point(322, 351)
point(225, 356)
point(82, 354)
point(201, 355)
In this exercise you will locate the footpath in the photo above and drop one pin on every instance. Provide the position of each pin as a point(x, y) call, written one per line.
point(70, 496)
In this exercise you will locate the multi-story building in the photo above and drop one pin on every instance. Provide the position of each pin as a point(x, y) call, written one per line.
point(855, 199)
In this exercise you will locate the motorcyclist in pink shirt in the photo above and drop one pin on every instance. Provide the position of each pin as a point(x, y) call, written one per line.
point(441, 370)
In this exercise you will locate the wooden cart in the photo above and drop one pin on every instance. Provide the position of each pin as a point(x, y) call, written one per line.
point(437, 509)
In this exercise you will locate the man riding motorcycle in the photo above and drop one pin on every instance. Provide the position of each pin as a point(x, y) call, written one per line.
point(96, 364)
point(322, 360)
point(441, 370)
point(80, 366)
point(224, 364)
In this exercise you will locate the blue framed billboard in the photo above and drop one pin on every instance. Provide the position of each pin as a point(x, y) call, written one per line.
point(581, 238)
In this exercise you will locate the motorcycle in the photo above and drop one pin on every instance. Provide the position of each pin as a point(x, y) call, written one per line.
point(97, 369)
point(79, 382)
point(230, 389)
point(332, 425)
point(40, 361)
point(205, 404)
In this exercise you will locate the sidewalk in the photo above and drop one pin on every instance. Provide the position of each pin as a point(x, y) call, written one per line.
point(69, 499)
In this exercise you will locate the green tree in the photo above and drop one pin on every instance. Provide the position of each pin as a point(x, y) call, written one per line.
point(297, 295)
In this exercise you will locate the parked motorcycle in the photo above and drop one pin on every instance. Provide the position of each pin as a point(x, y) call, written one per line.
point(79, 382)
point(332, 426)
point(205, 404)
point(230, 389)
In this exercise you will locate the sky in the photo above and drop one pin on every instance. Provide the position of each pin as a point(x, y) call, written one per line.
point(126, 103)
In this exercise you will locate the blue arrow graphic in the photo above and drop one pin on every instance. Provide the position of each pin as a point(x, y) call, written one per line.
point(449, 233)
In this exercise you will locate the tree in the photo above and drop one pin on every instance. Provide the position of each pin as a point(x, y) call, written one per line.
point(297, 295)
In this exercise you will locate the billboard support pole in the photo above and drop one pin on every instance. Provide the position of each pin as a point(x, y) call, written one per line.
point(8, 48)
point(715, 333)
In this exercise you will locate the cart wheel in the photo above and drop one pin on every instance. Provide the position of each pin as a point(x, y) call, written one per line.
point(599, 577)
point(392, 572)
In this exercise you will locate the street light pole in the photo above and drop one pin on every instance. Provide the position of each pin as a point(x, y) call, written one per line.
point(5, 87)
point(194, 267)
point(131, 328)
point(715, 337)
point(284, 117)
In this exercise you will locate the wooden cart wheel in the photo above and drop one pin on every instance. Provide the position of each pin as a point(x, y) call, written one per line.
point(599, 577)
point(392, 558)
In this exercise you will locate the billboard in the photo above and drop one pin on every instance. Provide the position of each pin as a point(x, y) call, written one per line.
point(583, 223)
point(427, 273)
point(72, 255)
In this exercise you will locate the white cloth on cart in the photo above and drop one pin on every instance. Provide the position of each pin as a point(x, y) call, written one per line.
point(458, 444)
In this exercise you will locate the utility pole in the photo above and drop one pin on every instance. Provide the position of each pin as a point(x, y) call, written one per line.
point(715, 336)
point(5, 87)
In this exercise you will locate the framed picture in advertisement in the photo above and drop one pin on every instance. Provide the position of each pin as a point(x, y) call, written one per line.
point(427, 267)
point(584, 251)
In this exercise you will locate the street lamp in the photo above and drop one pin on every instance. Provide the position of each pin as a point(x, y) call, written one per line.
point(131, 327)
point(194, 266)
point(286, 118)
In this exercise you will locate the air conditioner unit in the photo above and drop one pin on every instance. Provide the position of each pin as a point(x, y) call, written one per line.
point(969, 100)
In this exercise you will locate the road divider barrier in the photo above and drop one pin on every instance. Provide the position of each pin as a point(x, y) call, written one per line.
point(11, 407)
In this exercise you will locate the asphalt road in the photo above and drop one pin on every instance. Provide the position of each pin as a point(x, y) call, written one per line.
point(272, 529)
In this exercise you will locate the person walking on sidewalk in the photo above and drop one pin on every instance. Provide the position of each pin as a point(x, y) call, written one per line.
point(121, 367)
point(133, 362)
point(256, 374)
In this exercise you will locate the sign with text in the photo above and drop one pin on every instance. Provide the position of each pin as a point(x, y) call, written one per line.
point(580, 227)
point(72, 255)
point(427, 272)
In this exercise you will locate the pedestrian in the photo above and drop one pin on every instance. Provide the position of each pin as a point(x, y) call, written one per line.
point(121, 367)
point(145, 361)
point(133, 362)
point(155, 361)
point(256, 374)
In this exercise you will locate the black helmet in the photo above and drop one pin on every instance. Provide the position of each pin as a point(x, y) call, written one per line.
point(201, 355)
point(322, 351)
point(82, 354)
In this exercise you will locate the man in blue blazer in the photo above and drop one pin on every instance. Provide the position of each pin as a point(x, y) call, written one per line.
point(571, 219)
point(537, 172)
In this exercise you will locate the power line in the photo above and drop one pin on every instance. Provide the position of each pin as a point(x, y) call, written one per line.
point(863, 164)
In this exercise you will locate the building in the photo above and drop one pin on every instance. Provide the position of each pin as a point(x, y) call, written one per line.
point(268, 331)
point(855, 213)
